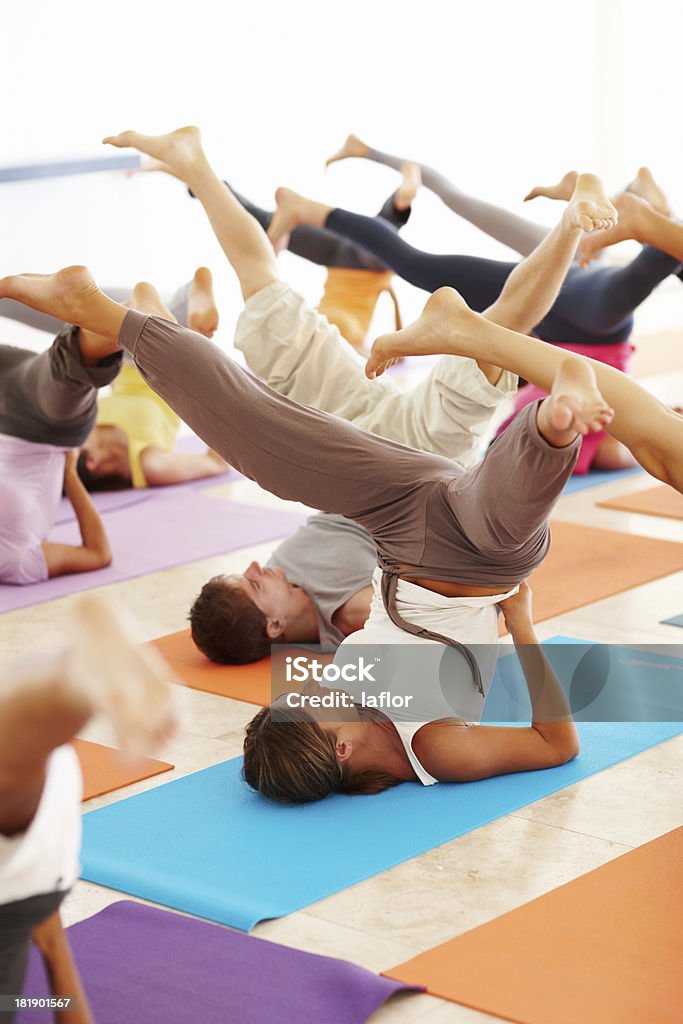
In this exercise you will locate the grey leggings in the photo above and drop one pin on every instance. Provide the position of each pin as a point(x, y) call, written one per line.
point(486, 526)
point(50, 397)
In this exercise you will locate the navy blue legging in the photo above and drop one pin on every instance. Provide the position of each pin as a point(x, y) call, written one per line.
point(327, 249)
point(594, 307)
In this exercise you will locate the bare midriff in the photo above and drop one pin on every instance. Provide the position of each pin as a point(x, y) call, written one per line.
point(453, 589)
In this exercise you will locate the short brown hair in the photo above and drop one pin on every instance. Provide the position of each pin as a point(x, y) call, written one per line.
point(92, 482)
point(293, 761)
point(226, 624)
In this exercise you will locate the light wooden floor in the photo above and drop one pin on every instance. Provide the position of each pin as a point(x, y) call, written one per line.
point(472, 879)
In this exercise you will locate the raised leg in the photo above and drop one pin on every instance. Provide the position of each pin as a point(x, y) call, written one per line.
point(652, 432)
point(294, 452)
point(480, 280)
point(517, 232)
point(239, 235)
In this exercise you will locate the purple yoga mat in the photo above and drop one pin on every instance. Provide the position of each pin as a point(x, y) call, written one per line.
point(176, 526)
point(139, 964)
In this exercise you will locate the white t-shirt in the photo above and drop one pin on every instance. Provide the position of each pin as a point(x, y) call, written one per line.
point(471, 620)
point(45, 858)
point(31, 477)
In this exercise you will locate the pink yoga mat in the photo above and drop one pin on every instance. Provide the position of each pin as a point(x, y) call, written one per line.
point(177, 526)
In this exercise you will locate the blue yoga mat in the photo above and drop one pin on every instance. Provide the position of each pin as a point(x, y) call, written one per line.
point(677, 620)
point(603, 682)
point(207, 845)
point(596, 477)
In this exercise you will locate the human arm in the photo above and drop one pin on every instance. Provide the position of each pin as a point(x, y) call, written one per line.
point(50, 938)
point(94, 551)
point(481, 751)
point(161, 467)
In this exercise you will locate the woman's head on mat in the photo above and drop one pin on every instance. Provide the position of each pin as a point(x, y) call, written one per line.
point(104, 460)
point(291, 757)
point(235, 619)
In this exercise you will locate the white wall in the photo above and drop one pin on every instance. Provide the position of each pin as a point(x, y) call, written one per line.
point(497, 94)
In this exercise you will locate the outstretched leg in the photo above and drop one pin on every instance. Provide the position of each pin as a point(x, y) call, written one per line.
point(652, 432)
point(239, 235)
point(480, 281)
point(517, 232)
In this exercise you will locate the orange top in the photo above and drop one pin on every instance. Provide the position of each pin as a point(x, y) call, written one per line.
point(350, 298)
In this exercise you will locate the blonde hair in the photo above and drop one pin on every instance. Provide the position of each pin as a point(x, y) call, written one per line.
point(292, 760)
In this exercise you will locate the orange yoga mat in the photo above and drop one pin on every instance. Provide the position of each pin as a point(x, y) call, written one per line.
point(661, 500)
point(604, 949)
point(584, 565)
point(250, 683)
point(104, 771)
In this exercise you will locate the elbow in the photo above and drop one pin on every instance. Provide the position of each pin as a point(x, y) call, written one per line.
point(104, 557)
point(568, 750)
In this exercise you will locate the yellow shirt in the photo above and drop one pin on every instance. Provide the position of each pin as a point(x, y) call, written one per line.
point(146, 420)
point(350, 298)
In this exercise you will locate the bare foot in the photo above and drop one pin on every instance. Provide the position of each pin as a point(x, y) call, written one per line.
point(445, 313)
point(146, 299)
point(407, 190)
point(589, 208)
point(63, 295)
point(180, 150)
point(563, 189)
point(575, 405)
point(628, 207)
point(202, 312)
point(645, 186)
point(291, 210)
point(352, 147)
point(126, 682)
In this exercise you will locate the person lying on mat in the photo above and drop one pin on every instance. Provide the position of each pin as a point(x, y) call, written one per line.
point(444, 566)
point(132, 441)
point(297, 751)
point(48, 403)
point(44, 703)
point(317, 586)
point(592, 315)
point(355, 278)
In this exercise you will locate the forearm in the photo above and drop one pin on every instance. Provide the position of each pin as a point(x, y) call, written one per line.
point(550, 710)
point(533, 286)
point(90, 523)
point(165, 468)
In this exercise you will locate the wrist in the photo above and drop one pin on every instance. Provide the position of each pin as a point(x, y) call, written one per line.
point(523, 632)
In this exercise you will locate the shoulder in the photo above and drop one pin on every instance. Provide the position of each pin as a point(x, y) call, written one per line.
point(444, 748)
